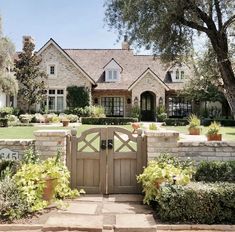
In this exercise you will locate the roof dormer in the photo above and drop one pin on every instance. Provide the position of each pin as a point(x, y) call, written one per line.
point(177, 72)
point(112, 71)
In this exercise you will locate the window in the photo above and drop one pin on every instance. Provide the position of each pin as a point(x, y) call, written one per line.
point(182, 74)
point(177, 74)
point(179, 107)
point(112, 75)
point(113, 106)
point(52, 70)
point(55, 100)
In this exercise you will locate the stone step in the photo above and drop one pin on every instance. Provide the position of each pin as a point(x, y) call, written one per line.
point(76, 222)
point(135, 223)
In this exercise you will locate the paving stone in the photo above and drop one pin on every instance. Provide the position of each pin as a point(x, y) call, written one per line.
point(135, 223)
point(80, 208)
point(90, 197)
point(89, 223)
point(125, 198)
point(118, 208)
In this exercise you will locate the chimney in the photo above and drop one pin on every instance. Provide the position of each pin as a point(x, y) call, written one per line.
point(125, 44)
point(28, 38)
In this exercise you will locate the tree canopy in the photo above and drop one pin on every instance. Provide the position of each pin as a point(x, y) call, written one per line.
point(169, 26)
point(31, 78)
point(8, 83)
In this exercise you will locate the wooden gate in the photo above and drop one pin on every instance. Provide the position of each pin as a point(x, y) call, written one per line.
point(106, 160)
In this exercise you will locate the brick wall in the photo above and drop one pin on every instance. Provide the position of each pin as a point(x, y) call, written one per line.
point(159, 142)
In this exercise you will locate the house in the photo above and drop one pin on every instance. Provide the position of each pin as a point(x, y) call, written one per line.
point(117, 79)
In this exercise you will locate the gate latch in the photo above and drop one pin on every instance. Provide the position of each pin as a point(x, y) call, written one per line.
point(103, 144)
point(110, 144)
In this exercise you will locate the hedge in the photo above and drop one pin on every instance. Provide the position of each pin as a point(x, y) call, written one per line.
point(3, 122)
point(108, 121)
point(212, 171)
point(223, 122)
point(176, 122)
point(197, 203)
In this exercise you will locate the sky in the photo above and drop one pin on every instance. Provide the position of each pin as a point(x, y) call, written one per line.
point(71, 23)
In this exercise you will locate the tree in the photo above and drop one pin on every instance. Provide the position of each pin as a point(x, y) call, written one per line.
point(169, 27)
point(31, 78)
point(8, 83)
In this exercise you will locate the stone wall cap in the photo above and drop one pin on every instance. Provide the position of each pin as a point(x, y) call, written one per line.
point(206, 144)
point(59, 133)
point(160, 133)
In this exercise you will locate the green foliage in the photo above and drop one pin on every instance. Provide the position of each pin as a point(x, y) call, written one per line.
point(77, 97)
point(161, 113)
point(31, 177)
point(197, 203)
point(165, 169)
point(108, 121)
point(212, 171)
point(135, 111)
point(222, 122)
point(194, 121)
point(3, 122)
point(80, 112)
point(72, 117)
point(153, 126)
point(97, 112)
point(12, 204)
point(213, 129)
point(30, 156)
point(8, 167)
point(26, 118)
point(29, 75)
point(5, 111)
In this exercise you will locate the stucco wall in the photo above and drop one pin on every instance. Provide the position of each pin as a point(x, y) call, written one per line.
point(148, 83)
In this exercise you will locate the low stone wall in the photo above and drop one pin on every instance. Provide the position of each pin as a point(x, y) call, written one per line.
point(159, 142)
point(16, 145)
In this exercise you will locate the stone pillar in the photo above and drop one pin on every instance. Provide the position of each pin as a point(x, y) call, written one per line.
point(48, 142)
point(159, 142)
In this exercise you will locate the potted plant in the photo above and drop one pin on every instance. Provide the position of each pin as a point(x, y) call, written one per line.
point(194, 125)
point(65, 121)
point(213, 132)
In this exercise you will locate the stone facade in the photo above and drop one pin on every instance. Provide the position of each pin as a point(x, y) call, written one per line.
point(159, 142)
point(148, 83)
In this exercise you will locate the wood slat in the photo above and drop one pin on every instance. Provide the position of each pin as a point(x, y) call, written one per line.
point(117, 172)
point(124, 155)
point(125, 173)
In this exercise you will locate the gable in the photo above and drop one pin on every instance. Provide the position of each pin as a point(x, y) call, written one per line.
point(52, 43)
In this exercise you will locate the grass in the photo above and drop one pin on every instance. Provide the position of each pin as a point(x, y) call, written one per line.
point(228, 133)
point(26, 132)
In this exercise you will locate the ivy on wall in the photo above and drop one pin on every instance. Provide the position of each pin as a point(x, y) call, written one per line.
point(77, 96)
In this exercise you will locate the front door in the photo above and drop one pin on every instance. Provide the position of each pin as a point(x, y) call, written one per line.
point(106, 160)
point(147, 106)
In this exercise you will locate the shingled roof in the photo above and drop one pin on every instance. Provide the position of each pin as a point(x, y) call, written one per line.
point(94, 60)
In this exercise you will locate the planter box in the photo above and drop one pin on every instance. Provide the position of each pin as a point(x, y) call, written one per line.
point(215, 137)
point(194, 131)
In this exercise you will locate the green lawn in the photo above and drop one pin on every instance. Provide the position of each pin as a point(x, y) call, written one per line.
point(228, 133)
point(26, 132)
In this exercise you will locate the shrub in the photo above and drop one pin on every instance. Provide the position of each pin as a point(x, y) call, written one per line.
point(223, 122)
point(4, 111)
point(176, 122)
point(9, 166)
point(80, 112)
point(3, 122)
point(97, 112)
point(12, 204)
point(197, 203)
point(77, 96)
point(152, 126)
point(213, 129)
point(212, 171)
point(108, 121)
point(26, 118)
point(72, 117)
point(135, 111)
point(30, 156)
point(165, 169)
point(12, 118)
point(194, 121)
point(162, 117)
point(39, 118)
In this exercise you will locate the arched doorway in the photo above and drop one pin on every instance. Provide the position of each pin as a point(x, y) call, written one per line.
point(148, 106)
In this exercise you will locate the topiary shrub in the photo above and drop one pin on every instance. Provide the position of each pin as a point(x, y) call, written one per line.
point(212, 171)
point(197, 203)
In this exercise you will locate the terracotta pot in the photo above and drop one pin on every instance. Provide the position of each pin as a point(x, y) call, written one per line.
point(49, 190)
point(194, 131)
point(214, 137)
point(135, 126)
point(65, 123)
